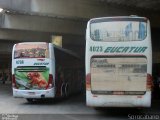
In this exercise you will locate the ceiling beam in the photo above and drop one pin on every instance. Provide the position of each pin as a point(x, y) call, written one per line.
point(65, 11)
point(8, 35)
point(61, 8)
point(42, 24)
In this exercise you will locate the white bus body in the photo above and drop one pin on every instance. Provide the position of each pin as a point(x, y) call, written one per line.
point(42, 70)
point(118, 62)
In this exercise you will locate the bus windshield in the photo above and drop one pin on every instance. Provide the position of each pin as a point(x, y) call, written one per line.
point(113, 31)
point(27, 50)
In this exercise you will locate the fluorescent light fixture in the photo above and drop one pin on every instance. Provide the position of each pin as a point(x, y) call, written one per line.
point(1, 9)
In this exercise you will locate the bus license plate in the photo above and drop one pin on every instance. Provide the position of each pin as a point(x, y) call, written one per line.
point(31, 93)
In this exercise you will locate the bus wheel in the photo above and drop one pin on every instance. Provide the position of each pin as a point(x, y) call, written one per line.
point(66, 90)
point(63, 90)
point(98, 108)
point(30, 100)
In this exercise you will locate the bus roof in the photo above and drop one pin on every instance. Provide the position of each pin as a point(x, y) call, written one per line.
point(119, 17)
point(32, 42)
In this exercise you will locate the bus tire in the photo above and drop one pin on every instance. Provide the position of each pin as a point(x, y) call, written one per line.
point(63, 90)
point(30, 100)
point(66, 90)
point(98, 108)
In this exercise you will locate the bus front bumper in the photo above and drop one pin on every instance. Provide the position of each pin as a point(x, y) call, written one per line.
point(49, 93)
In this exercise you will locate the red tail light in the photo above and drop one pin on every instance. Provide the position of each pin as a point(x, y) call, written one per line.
point(50, 82)
point(13, 81)
point(149, 82)
point(88, 81)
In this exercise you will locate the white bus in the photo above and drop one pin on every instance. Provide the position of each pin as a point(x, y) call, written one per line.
point(43, 70)
point(118, 62)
